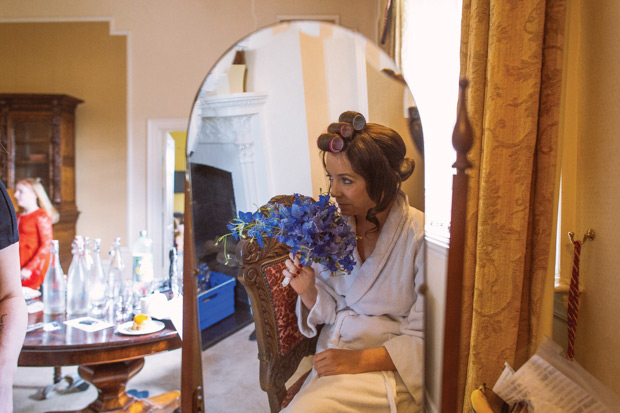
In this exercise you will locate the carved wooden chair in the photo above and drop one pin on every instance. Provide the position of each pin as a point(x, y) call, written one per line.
point(281, 346)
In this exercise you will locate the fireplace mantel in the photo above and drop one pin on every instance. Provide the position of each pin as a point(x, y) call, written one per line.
point(232, 129)
point(235, 104)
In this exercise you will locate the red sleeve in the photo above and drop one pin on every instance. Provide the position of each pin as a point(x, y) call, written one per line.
point(40, 260)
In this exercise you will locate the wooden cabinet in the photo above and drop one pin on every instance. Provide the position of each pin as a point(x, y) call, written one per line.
point(37, 139)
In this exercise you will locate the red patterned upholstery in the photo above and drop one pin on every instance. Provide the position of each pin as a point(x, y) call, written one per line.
point(281, 346)
point(284, 301)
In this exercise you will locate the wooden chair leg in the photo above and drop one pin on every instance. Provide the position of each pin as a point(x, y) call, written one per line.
point(57, 374)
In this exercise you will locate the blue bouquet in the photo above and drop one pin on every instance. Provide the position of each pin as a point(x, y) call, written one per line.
point(314, 230)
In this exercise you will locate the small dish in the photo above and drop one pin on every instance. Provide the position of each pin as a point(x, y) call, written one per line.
point(153, 327)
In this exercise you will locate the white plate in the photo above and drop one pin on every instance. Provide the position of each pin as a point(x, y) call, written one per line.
point(153, 327)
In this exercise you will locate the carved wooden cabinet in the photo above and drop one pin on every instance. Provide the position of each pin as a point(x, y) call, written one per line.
point(37, 139)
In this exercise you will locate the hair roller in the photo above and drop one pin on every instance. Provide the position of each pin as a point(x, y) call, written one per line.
point(330, 142)
point(341, 128)
point(354, 118)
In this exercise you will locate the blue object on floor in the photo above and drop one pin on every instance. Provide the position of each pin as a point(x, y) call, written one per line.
point(218, 302)
point(139, 394)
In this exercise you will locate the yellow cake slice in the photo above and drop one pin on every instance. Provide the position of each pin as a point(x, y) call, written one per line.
point(140, 322)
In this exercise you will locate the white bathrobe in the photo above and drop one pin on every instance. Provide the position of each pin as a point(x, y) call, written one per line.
point(378, 304)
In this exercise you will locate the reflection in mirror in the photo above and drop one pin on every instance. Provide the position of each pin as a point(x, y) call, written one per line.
point(253, 133)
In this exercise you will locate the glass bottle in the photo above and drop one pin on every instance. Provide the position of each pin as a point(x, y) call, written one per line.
point(88, 258)
point(98, 296)
point(77, 295)
point(54, 285)
point(120, 291)
point(142, 273)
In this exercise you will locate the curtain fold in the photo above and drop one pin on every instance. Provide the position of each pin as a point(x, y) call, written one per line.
point(511, 53)
point(391, 27)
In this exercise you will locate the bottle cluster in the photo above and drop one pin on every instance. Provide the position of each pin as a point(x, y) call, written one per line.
point(89, 289)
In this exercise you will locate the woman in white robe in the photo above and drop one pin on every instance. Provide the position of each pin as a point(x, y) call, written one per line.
point(369, 355)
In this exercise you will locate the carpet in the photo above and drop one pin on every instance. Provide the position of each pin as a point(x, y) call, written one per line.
point(230, 373)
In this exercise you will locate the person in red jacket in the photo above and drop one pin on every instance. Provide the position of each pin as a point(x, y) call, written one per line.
point(34, 222)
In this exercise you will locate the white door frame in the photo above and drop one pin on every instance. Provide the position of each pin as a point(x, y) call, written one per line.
point(157, 132)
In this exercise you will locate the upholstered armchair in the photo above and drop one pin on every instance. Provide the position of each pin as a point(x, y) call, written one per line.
point(281, 346)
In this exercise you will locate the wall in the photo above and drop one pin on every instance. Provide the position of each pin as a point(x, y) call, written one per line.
point(80, 59)
point(170, 48)
point(592, 180)
point(385, 106)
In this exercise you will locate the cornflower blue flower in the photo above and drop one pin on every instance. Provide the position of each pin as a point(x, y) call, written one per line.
point(314, 230)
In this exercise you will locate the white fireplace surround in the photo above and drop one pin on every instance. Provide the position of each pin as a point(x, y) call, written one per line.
point(231, 137)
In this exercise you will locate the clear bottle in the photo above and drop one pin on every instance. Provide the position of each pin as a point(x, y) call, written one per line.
point(88, 258)
point(77, 295)
point(120, 292)
point(54, 285)
point(98, 287)
point(142, 273)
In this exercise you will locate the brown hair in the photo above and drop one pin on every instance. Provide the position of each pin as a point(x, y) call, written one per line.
point(377, 153)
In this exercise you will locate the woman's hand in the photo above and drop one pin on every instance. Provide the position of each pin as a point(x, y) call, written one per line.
point(336, 361)
point(302, 279)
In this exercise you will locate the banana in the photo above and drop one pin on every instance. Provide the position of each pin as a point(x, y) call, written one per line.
point(479, 401)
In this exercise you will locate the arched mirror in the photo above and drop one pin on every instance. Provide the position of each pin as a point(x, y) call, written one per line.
point(254, 126)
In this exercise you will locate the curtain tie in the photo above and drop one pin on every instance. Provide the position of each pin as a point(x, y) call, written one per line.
point(573, 302)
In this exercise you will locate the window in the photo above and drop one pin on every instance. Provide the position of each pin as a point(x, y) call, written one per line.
point(430, 60)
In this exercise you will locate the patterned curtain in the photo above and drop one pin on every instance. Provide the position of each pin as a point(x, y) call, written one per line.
point(512, 54)
point(391, 28)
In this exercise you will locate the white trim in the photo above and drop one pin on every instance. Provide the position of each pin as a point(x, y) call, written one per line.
point(437, 242)
point(157, 131)
point(56, 20)
point(331, 18)
point(130, 173)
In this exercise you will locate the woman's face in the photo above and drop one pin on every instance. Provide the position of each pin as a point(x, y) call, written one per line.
point(25, 196)
point(347, 187)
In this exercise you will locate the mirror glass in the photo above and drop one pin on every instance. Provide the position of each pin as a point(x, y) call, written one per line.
point(255, 122)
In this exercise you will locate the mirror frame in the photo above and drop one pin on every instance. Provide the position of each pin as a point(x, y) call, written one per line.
point(192, 386)
point(462, 140)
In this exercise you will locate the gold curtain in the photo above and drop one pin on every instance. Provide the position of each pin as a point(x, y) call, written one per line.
point(511, 52)
point(390, 37)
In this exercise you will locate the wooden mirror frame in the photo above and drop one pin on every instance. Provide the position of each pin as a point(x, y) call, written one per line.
point(192, 397)
point(462, 140)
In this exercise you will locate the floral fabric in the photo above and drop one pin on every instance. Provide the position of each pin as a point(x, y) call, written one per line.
point(511, 53)
point(284, 301)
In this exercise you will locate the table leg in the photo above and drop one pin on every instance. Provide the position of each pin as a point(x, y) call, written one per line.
point(57, 374)
point(111, 379)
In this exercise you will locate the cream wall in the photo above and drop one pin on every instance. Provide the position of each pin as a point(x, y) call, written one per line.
point(170, 48)
point(80, 59)
point(386, 106)
point(591, 186)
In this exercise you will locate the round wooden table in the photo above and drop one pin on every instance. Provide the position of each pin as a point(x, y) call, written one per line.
point(106, 359)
